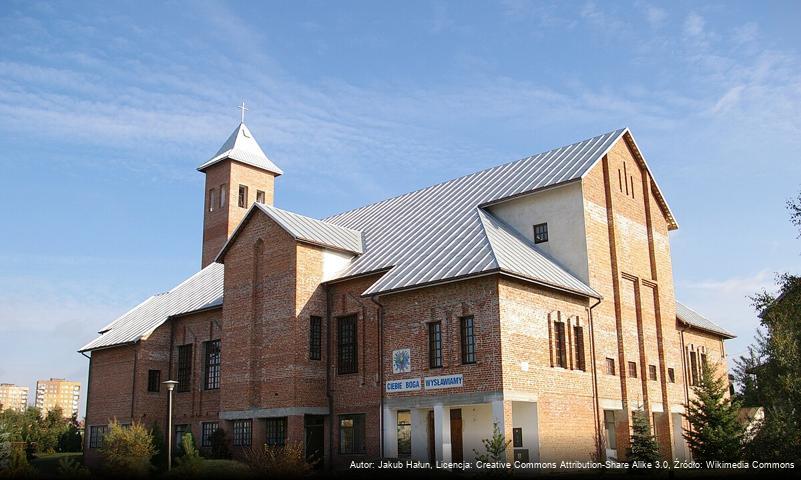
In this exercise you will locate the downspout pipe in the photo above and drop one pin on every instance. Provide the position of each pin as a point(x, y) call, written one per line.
point(374, 299)
point(598, 432)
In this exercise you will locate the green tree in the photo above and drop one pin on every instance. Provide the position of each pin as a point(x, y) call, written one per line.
point(715, 432)
point(127, 449)
point(70, 439)
point(159, 460)
point(190, 463)
point(643, 444)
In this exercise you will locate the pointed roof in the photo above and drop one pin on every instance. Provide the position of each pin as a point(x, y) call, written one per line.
point(690, 317)
point(242, 147)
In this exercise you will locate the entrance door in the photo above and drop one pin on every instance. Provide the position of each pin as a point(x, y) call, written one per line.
point(456, 435)
point(432, 444)
point(313, 424)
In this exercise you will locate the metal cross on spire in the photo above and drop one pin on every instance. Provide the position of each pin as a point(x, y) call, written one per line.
point(243, 108)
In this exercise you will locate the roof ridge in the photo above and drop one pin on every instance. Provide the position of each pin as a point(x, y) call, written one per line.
point(273, 207)
point(501, 165)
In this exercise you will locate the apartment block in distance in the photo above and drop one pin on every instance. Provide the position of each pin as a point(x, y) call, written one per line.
point(13, 397)
point(58, 392)
point(536, 295)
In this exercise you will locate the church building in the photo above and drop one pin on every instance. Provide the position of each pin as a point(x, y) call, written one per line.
point(536, 296)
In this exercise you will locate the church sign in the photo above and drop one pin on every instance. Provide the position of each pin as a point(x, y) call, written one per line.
point(403, 385)
point(444, 381)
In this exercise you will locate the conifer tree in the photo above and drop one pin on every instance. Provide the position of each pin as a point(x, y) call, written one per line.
point(643, 444)
point(715, 433)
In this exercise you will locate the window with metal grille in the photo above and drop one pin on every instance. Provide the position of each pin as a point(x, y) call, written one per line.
point(96, 434)
point(206, 431)
point(180, 430)
point(435, 345)
point(468, 340)
point(540, 233)
point(243, 433)
point(559, 344)
point(633, 369)
point(153, 380)
point(578, 338)
point(610, 366)
point(347, 361)
point(652, 372)
point(351, 434)
point(184, 376)
point(276, 431)
point(315, 335)
point(242, 199)
point(693, 369)
point(212, 377)
point(671, 375)
point(259, 196)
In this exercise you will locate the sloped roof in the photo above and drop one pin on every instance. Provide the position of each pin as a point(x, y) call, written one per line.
point(435, 233)
point(242, 147)
point(694, 319)
point(202, 290)
point(304, 229)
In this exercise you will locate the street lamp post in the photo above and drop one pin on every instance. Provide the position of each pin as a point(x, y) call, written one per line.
point(170, 387)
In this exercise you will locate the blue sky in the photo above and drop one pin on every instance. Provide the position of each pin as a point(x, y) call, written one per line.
point(107, 108)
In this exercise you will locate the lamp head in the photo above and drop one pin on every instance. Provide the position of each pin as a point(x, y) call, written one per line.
point(170, 384)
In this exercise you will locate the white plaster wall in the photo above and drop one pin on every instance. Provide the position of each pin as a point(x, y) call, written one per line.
point(524, 415)
point(476, 426)
point(334, 262)
point(563, 209)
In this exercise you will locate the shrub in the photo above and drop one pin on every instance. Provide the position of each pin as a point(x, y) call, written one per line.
point(190, 463)
point(70, 439)
point(71, 468)
point(17, 465)
point(127, 450)
point(278, 461)
point(219, 444)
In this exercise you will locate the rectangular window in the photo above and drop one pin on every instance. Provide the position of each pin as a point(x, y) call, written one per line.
point(315, 336)
point(276, 431)
point(693, 369)
point(212, 377)
point(540, 233)
point(351, 434)
point(404, 434)
point(578, 338)
point(243, 433)
point(435, 345)
point(153, 380)
point(468, 340)
point(633, 369)
point(96, 434)
point(212, 200)
point(206, 430)
point(651, 372)
point(223, 194)
point(347, 361)
point(242, 200)
point(560, 344)
point(259, 196)
point(179, 431)
point(610, 366)
point(184, 367)
point(671, 375)
point(611, 429)
point(703, 362)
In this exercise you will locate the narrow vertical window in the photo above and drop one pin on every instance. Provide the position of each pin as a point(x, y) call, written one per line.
point(652, 372)
point(611, 429)
point(346, 345)
point(703, 362)
point(223, 195)
point(184, 368)
point(578, 335)
point(693, 369)
point(610, 366)
point(560, 344)
point(625, 174)
point(243, 196)
point(435, 345)
point(351, 434)
point(212, 200)
point(632, 186)
point(153, 380)
point(180, 430)
point(633, 369)
point(259, 196)
point(540, 233)
point(468, 340)
point(243, 433)
point(212, 377)
point(315, 335)
point(206, 431)
point(671, 375)
point(276, 431)
point(404, 433)
point(620, 180)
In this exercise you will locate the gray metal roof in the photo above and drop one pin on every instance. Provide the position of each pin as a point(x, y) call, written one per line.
point(436, 233)
point(202, 290)
point(315, 231)
point(694, 319)
point(242, 147)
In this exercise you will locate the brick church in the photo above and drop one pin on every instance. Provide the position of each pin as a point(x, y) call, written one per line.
point(536, 295)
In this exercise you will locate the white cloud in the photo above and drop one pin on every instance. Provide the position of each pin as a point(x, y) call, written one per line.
point(694, 25)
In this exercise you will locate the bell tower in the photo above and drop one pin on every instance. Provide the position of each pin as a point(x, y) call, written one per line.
point(236, 176)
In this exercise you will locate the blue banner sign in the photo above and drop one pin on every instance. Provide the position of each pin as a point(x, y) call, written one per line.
point(403, 385)
point(444, 381)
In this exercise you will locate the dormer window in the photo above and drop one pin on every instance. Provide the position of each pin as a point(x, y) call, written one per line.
point(243, 196)
point(541, 233)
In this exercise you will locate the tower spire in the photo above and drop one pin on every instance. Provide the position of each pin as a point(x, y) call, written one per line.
point(243, 108)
